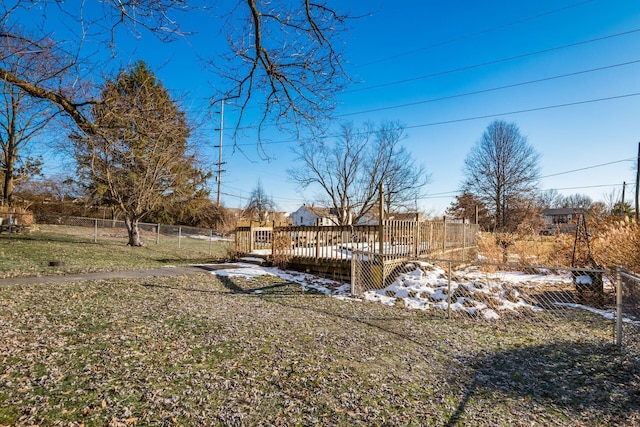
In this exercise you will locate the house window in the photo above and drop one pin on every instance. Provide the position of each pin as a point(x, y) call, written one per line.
point(301, 220)
point(560, 219)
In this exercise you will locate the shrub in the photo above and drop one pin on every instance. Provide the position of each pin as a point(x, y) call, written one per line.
point(618, 244)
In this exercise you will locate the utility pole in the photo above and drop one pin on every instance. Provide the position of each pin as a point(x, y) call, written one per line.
point(219, 146)
point(624, 186)
point(638, 184)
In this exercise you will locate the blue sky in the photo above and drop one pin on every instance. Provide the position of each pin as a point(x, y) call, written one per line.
point(405, 56)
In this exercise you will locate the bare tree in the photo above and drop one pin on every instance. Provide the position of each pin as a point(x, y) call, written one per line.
point(139, 157)
point(611, 198)
point(501, 170)
point(22, 117)
point(281, 55)
point(550, 199)
point(260, 204)
point(581, 201)
point(349, 171)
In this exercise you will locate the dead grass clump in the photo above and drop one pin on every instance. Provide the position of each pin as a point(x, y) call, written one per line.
point(510, 294)
point(562, 250)
point(617, 243)
point(461, 292)
point(524, 249)
point(489, 250)
point(281, 244)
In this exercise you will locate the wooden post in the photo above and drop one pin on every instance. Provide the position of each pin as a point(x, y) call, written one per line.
point(431, 237)
point(444, 234)
point(464, 238)
point(381, 225)
point(251, 237)
point(416, 235)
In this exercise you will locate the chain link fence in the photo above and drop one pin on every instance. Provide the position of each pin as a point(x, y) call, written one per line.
point(96, 230)
point(543, 295)
point(629, 302)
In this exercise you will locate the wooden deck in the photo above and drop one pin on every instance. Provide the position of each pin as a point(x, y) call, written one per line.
point(327, 250)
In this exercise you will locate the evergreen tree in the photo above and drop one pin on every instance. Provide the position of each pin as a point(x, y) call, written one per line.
point(138, 158)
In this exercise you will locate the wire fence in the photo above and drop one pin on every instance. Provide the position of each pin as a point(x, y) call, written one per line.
point(202, 240)
point(630, 306)
point(504, 292)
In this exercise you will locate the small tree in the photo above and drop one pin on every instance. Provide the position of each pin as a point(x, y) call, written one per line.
point(138, 157)
point(260, 205)
point(466, 206)
point(502, 170)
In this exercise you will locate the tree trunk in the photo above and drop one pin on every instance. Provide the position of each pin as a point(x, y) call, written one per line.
point(7, 193)
point(133, 231)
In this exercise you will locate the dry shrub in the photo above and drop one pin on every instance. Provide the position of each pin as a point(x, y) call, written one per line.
point(23, 216)
point(618, 244)
point(562, 250)
point(525, 249)
point(281, 245)
point(489, 250)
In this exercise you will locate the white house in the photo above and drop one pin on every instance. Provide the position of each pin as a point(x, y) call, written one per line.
point(311, 216)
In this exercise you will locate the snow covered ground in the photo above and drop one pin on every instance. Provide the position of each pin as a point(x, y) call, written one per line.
point(425, 287)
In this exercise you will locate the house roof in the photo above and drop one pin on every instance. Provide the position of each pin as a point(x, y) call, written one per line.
point(319, 211)
point(562, 211)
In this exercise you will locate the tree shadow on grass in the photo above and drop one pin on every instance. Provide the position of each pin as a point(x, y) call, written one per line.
point(575, 377)
point(281, 288)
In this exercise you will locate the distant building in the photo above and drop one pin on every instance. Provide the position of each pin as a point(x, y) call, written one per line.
point(314, 216)
point(561, 220)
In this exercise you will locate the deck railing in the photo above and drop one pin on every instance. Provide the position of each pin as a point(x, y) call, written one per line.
point(411, 238)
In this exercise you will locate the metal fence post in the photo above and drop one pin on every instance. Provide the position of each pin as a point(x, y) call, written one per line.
point(353, 272)
point(449, 293)
point(618, 307)
point(210, 240)
point(95, 230)
point(157, 234)
point(179, 236)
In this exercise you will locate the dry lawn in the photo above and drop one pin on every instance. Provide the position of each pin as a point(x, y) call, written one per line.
point(202, 350)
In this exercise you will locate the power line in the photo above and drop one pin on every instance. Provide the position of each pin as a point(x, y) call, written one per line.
point(493, 89)
point(475, 34)
point(588, 167)
point(465, 119)
point(450, 194)
point(496, 61)
point(529, 110)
